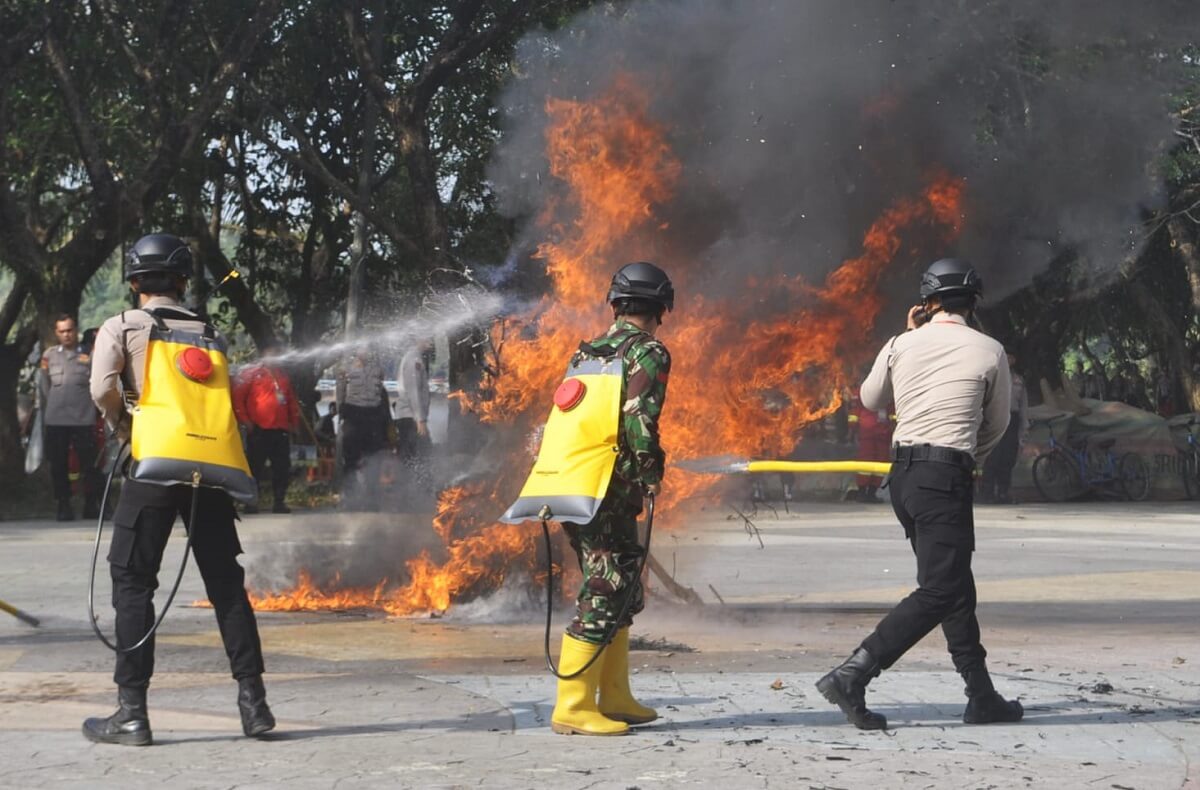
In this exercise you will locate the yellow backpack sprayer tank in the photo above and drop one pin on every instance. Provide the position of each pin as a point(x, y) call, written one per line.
point(183, 422)
point(579, 446)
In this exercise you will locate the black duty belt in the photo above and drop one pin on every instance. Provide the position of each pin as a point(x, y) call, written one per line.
point(907, 453)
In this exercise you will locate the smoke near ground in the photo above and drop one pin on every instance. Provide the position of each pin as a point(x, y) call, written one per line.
point(353, 550)
point(797, 123)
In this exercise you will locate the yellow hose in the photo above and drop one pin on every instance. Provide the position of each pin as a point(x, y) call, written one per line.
point(859, 467)
point(17, 613)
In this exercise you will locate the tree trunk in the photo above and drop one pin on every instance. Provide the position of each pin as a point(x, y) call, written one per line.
point(366, 178)
point(1183, 243)
point(422, 176)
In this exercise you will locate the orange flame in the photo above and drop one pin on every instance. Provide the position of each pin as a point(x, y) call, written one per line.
point(744, 381)
point(484, 560)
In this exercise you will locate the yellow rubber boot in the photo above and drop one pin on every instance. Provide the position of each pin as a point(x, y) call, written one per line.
point(575, 711)
point(616, 698)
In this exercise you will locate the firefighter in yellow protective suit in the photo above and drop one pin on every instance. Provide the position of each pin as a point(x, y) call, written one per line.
point(172, 364)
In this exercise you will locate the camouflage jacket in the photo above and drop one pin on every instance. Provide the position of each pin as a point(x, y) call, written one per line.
point(640, 460)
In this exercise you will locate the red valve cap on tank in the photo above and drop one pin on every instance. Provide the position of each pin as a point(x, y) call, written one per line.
point(195, 364)
point(569, 394)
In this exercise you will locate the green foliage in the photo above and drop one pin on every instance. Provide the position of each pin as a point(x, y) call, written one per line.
point(107, 294)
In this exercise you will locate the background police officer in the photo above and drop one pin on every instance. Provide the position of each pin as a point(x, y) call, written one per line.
point(362, 402)
point(69, 417)
point(157, 268)
point(413, 443)
point(951, 388)
point(607, 547)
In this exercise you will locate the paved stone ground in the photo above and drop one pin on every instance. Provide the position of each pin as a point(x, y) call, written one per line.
point(1089, 613)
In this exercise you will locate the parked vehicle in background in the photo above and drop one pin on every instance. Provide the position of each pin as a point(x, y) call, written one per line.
point(1071, 470)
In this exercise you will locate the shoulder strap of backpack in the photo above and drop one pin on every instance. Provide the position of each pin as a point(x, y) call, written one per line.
point(159, 313)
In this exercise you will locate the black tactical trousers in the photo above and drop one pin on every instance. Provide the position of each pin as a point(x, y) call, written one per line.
point(364, 433)
point(270, 446)
point(998, 469)
point(59, 439)
point(933, 502)
point(141, 526)
point(413, 451)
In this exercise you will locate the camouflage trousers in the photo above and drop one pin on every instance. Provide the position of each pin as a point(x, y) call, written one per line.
point(609, 554)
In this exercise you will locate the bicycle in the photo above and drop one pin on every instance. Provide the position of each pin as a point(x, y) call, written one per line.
point(1189, 465)
point(1069, 471)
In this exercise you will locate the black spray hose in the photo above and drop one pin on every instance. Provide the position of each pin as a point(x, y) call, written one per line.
point(611, 632)
point(96, 554)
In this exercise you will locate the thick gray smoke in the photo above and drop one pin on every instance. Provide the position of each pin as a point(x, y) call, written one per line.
point(797, 123)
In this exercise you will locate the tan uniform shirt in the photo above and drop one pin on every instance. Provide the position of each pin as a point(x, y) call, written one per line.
point(950, 384)
point(415, 379)
point(63, 387)
point(119, 355)
point(360, 383)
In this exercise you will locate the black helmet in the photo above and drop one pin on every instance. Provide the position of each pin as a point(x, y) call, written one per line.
point(158, 252)
point(642, 281)
point(951, 277)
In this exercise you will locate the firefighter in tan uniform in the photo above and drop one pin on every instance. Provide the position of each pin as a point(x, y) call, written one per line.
point(951, 388)
point(157, 268)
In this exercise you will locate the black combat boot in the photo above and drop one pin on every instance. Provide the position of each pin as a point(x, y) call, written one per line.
point(129, 726)
point(984, 703)
point(846, 687)
point(252, 703)
point(64, 510)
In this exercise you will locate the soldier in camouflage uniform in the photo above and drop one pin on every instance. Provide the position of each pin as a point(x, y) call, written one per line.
point(607, 547)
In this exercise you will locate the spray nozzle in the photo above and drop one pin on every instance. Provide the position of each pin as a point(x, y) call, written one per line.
point(234, 274)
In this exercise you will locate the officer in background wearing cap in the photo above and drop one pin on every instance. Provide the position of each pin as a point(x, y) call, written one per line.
point(69, 417)
point(951, 388)
point(157, 268)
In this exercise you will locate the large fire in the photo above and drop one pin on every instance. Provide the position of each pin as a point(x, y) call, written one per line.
point(745, 379)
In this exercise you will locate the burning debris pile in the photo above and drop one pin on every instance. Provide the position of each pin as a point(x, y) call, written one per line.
point(744, 175)
point(618, 168)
